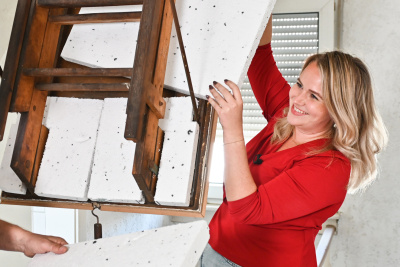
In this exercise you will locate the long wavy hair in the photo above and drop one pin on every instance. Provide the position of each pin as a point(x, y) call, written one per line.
point(357, 130)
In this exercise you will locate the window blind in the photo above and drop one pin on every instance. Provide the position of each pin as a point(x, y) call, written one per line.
point(294, 38)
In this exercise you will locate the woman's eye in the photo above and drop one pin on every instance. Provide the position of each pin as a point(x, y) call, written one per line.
point(314, 96)
point(299, 85)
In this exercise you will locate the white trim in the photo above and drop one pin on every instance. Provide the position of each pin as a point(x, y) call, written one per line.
point(326, 10)
point(323, 245)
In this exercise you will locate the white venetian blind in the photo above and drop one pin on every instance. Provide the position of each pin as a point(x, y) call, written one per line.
point(294, 38)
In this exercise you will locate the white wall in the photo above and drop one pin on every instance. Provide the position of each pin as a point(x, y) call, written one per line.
point(369, 225)
point(118, 223)
point(7, 12)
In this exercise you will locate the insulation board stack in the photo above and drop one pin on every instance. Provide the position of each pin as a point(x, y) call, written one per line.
point(87, 156)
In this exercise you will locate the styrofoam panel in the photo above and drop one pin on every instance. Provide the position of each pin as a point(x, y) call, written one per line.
point(67, 160)
point(178, 157)
point(220, 39)
point(9, 181)
point(111, 178)
point(178, 245)
point(178, 110)
point(111, 45)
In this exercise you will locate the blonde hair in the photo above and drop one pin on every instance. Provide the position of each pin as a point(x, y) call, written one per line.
point(358, 131)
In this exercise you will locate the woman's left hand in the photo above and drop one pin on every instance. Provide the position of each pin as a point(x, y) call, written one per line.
point(229, 107)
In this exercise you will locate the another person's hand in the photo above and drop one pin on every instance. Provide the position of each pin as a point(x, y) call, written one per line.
point(39, 244)
point(14, 238)
point(229, 107)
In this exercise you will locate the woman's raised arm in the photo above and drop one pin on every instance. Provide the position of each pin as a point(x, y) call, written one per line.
point(267, 35)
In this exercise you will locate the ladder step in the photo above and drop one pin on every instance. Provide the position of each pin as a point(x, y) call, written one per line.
point(81, 87)
point(79, 72)
point(87, 3)
point(96, 18)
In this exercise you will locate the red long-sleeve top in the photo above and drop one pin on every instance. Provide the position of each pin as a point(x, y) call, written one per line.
point(297, 192)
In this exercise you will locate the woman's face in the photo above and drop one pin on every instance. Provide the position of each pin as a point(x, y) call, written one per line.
point(307, 110)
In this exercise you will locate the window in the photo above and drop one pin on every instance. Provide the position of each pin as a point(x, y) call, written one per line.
point(295, 36)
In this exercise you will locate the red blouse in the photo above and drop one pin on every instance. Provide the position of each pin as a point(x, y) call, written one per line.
point(277, 224)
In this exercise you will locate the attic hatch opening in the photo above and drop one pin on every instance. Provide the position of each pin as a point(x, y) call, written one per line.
point(33, 70)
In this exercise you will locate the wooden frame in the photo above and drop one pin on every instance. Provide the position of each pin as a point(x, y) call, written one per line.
point(33, 70)
point(198, 201)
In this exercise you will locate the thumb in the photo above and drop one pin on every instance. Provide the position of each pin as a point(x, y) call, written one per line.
point(58, 248)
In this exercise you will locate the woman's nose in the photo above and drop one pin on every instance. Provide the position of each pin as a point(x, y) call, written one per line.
point(300, 98)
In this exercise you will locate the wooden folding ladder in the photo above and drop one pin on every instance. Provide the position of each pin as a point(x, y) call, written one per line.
point(34, 70)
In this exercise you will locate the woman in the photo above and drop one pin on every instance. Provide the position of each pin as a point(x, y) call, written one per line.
point(320, 142)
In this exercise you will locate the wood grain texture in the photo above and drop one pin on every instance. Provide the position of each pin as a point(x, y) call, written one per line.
point(77, 87)
point(96, 18)
point(80, 72)
point(30, 57)
point(44, 133)
point(12, 58)
point(143, 70)
point(87, 3)
point(27, 140)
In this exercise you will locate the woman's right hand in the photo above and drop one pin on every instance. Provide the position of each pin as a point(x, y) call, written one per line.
point(229, 107)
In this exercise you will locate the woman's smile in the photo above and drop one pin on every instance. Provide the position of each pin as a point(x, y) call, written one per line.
point(298, 112)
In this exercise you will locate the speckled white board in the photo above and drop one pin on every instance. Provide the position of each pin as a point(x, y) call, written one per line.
point(87, 156)
point(178, 245)
point(178, 110)
point(178, 157)
point(9, 181)
point(220, 39)
point(67, 159)
point(112, 178)
point(110, 45)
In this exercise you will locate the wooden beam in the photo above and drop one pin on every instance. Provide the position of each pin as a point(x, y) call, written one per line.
point(145, 157)
point(28, 136)
point(87, 3)
point(44, 134)
point(30, 57)
point(14, 199)
point(82, 87)
point(82, 72)
point(12, 59)
point(96, 18)
point(143, 70)
point(87, 79)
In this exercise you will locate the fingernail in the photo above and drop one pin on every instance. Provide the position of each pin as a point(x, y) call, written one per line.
point(214, 82)
point(211, 87)
point(207, 96)
point(226, 80)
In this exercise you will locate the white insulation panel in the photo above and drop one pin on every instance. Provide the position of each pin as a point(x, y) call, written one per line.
point(178, 245)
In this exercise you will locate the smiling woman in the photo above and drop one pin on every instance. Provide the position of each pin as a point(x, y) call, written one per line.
point(319, 143)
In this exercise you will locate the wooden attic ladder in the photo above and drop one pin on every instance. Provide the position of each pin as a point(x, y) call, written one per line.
point(34, 70)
